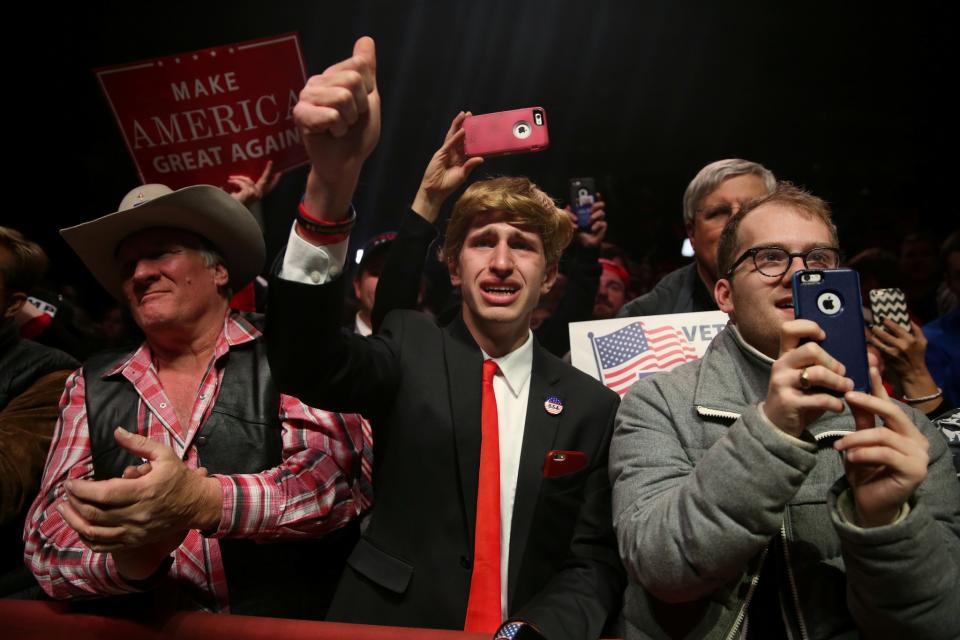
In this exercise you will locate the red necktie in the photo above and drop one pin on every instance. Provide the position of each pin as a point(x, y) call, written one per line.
point(483, 608)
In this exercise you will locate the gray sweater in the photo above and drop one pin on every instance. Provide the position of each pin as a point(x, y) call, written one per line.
point(702, 483)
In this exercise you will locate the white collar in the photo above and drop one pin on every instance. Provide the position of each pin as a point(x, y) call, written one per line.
point(516, 365)
point(360, 327)
point(749, 348)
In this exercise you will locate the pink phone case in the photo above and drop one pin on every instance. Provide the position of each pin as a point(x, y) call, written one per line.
point(505, 132)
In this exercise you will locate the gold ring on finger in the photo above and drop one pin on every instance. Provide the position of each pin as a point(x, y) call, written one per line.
point(804, 379)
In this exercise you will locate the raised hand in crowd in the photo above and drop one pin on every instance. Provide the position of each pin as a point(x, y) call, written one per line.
point(904, 352)
point(247, 192)
point(339, 117)
point(592, 236)
point(447, 170)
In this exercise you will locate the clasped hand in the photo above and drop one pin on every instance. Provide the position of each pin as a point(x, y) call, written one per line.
point(149, 503)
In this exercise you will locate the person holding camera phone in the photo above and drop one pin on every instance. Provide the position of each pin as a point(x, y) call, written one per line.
point(753, 499)
point(448, 169)
point(903, 351)
point(513, 540)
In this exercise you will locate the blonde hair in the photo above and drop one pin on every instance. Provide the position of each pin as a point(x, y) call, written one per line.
point(526, 205)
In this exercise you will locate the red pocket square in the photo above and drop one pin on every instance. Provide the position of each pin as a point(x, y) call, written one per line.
point(560, 463)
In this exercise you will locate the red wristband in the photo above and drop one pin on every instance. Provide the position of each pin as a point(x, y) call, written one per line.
point(326, 226)
point(325, 231)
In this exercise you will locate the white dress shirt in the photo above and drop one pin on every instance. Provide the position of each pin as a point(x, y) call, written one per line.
point(512, 388)
point(360, 327)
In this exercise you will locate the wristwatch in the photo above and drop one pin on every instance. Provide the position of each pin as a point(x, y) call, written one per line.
point(518, 630)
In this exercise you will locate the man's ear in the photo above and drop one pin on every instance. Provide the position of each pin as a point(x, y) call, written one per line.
point(453, 267)
point(14, 303)
point(723, 294)
point(689, 226)
point(549, 279)
point(221, 277)
point(356, 285)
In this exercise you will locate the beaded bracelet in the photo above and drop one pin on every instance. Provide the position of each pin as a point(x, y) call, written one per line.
point(932, 396)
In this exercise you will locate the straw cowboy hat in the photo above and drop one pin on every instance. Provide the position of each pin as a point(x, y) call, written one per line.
point(202, 209)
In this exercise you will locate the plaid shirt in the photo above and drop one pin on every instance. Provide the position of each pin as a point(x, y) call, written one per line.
point(312, 491)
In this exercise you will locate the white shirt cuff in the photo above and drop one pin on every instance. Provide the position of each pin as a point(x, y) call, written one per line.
point(848, 510)
point(809, 446)
point(312, 264)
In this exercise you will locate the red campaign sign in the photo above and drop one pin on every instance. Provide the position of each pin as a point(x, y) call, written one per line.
point(199, 117)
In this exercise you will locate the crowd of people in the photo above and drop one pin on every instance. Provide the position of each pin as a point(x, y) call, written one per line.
point(330, 444)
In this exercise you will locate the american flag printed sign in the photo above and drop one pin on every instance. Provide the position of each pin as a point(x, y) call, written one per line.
point(630, 353)
point(621, 351)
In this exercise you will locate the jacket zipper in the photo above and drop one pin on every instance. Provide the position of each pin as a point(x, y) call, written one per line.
point(716, 413)
point(825, 435)
point(793, 583)
point(746, 602)
point(836, 433)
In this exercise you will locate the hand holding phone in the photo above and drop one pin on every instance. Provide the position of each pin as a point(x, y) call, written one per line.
point(831, 298)
point(447, 170)
point(814, 367)
point(506, 132)
point(884, 467)
point(582, 192)
point(904, 352)
point(804, 380)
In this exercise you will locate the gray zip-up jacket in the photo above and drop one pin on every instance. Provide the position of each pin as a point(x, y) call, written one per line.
point(702, 482)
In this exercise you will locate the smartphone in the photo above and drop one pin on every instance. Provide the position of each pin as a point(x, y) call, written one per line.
point(889, 303)
point(581, 199)
point(831, 298)
point(506, 132)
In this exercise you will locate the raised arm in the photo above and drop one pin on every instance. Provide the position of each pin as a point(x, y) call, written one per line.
point(447, 170)
point(339, 117)
point(310, 358)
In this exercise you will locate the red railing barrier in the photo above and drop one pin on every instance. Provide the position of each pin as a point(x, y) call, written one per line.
point(28, 619)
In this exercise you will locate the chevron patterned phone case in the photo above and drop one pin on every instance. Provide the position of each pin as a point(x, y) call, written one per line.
point(889, 303)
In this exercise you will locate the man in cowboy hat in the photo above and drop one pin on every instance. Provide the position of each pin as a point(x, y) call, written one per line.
point(170, 463)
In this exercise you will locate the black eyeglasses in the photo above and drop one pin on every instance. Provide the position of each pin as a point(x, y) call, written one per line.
point(773, 262)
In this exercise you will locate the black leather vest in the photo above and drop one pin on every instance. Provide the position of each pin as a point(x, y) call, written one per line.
point(292, 579)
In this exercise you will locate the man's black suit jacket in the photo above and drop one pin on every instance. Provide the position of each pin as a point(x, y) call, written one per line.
point(420, 385)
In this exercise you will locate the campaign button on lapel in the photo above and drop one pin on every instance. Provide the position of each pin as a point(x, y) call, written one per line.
point(553, 405)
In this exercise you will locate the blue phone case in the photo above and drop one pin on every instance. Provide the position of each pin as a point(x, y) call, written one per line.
point(582, 187)
point(831, 298)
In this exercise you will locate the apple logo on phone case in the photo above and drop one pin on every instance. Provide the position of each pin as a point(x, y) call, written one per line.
point(522, 130)
point(829, 303)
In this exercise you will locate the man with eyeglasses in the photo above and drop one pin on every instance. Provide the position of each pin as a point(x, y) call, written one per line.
point(750, 502)
point(715, 193)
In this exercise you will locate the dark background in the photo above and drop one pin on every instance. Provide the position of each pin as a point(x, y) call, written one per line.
point(850, 100)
